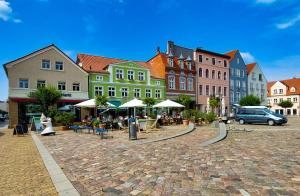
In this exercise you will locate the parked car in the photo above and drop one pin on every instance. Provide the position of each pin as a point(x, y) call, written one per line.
point(259, 114)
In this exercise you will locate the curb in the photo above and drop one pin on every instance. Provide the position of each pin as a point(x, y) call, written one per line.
point(190, 128)
point(222, 135)
point(62, 184)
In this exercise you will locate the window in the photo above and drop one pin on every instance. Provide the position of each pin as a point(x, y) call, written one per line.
point(111, 91)
point(238, 73)
point(98, 77)
point(232, 71)
point(219, 75)
point(275, 91)
point(130, 75)
point(225, 63)
point(124, 92)
point(213, 90)
point(189, 64)
point(171, 62)
point(213, 61)
point(206, 73)
point(293, 89)
point(157, 94)
point(238, 83)
point(157, 83)
point(200, 72)
point(59, 66)
point(289, 99)
point(46, 64)
point(280, 100)
point(242, 73)
point(220, 90)
point(190, 85)
point(213, 74)
point(61, 86)
point(232, 84)
point(232, 96)
point(141, 76)
point(225, 76)
point(76, 86)
point(295, 100)
point(40, 83)
point(119, 74)
point(23, 83)
point(181, 64)
point(238, 61)
point(200, 90)
point(200, 58)
point(280, 91)
point(225, 91)
point(207, 90)
point(260, 77)
point(238, 96)
point(182, 83)
point(253, 76)
point(148, 93)
point(275, 100)
point(137, 92)
point(171, 82)
point(98, 90)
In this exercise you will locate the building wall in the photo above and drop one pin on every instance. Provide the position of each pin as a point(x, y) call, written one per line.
point(110, 80)
point(206, 64)
point(238, 76)
point(13, 113)
point(257, 87)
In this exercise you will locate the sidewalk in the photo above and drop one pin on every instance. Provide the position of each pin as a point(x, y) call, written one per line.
point(22, 171)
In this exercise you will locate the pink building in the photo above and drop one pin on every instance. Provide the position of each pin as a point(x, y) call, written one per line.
point(212, 79)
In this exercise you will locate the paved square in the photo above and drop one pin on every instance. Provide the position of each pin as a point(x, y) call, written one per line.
point(265, 161)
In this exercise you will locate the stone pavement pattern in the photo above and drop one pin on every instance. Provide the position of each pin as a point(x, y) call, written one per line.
point(261, 162)
point(22, 171)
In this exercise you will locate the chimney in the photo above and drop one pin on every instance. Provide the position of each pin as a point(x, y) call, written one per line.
point(158, 50)
point(80, 64)
point(170, 47)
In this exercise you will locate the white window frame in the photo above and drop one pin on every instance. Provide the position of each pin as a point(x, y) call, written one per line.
point(182, 81)
point(141, 74)
point(38, 81)
point(149, 92)
point(62, 66)
point(99, 78)
point(171, 84)
point(190, 84)
point(171, 62)
point(23, 80)
point(77, 84)
point(110, 90)
point(157, 83)
point(135, 92)
point(42, 63)
point(119, 74)
point(131, 75)
point(157, 93)
point(99, 89)
point(124, 90)
point(59, 84)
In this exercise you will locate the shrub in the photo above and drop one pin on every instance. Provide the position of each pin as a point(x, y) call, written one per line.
point(187, 114)
point(210, 117)
point(65, 118)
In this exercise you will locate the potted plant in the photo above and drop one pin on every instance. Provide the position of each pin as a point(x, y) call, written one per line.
point(187, 116)
point(66, 119)
point(211, 116)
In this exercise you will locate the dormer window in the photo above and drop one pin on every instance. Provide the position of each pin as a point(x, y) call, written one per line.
point(171, 62)
point(189, 64)
point(238, 61)
point(293, 89)
point(181, 64)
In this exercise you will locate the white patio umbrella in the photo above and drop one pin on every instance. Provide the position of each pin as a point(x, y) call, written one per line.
point(168, 104)
point(134, 103)
point(91, 103)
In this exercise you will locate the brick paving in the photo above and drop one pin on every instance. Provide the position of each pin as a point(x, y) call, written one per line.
point(22, 171)
point(265, 161)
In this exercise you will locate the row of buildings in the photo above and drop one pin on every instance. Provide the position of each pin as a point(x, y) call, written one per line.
point(198, 73)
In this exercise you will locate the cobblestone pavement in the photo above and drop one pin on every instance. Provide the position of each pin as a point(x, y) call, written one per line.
point(260, 162)
point(22, 171)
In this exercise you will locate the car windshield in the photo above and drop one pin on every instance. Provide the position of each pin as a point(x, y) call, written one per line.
point(269, 111)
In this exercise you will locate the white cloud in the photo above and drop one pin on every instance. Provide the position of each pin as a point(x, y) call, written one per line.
point(248, 57)
point(291, 22)
point(6, 12)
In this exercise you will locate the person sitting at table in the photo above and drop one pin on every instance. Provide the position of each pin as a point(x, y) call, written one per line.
point(85, 119)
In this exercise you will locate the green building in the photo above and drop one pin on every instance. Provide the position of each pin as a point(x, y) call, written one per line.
point(121, 80)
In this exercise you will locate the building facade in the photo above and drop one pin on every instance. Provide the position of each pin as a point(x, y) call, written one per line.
point(212, 78)
point(257, 82)
point(178, 69)
point(48, 66)
point(284, 90)
point(238, 77)
point(121, 80)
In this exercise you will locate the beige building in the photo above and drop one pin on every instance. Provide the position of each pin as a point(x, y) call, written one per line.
point(283, 90)
point(44, 67)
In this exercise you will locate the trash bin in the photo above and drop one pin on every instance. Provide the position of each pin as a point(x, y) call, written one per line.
point(132, 131)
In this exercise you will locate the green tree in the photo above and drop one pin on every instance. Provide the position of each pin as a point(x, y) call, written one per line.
point(101, 100)
point(149, 101)
point(250, 100)
point(185, 100)
point(286, 104)
point(46, 97)
point(214, 103)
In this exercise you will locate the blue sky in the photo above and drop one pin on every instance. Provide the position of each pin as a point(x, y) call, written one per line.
point(266, 31)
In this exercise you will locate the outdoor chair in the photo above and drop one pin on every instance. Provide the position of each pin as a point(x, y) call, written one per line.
point(153, 127)
point(101, 132)
point(20, 129)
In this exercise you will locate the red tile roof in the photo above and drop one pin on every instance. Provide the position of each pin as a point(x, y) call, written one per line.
point(231, 54)
point(294, 82)
point(250, 67)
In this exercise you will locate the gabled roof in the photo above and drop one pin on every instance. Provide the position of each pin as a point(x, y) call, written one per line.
point(39, 52)
point(232, 54)
point(98, 64)
point(289, 83)
point(250, 67)
point(212, 53)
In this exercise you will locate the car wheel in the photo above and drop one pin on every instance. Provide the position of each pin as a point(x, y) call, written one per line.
point(242, 121)
point(271, 122)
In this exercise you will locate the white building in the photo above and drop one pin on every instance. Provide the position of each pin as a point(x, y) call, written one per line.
point(283, 90)
point(257, 82)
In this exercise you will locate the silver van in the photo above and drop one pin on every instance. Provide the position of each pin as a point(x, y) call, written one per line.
point(259, 114)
